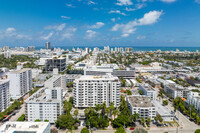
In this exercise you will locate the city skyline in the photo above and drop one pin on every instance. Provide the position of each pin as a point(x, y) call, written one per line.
point(98, 23)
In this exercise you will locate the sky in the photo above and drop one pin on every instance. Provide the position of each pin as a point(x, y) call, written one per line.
point(163, 23)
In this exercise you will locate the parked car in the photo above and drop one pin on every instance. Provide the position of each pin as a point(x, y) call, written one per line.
point(132, 128)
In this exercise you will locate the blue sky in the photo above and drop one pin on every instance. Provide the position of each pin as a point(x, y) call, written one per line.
point(100, 22)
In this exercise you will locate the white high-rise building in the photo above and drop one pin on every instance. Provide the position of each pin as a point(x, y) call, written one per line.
point(4, 94)
point(92, 90)
point(20, 82)
point(45, 104)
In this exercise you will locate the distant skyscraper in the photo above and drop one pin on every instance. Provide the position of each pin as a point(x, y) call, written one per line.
point(48, 45)
point(31, 48)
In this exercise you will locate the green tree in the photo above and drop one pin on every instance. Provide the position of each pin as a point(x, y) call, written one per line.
point(46, 120)
point(165, 102)
point(76, 113)
point(67, 106)
point(197, 131)
point(97, 107)
point(142, 120)
point(65, 121)
point(115, 112)
point(128, 92)
point(148, 120)
point(140, 92)
point(21, 118)
point(37, 120)
point(120, 130)
point(135, 116)
point(85, 130)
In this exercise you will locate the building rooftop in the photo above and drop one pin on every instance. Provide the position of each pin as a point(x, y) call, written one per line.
point(162, 110)
point(41, 97)
point(4, 81)
point(147, 87)
point(97, 77)
point(20, 71)
point(34, 127)
point(140, 101)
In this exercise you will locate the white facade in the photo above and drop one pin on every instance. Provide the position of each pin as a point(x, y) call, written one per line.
point(141, 105)
point(20, 82)
point(45, 104)
point(25, 127)
point(193, 98)
point(148, 90)
point(4, 94)
point(175, 90)
point(56, 81)
point(92, 90)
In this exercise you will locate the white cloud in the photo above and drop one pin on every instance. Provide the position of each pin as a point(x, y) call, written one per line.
point(117, 11)
point(124, 2)
point(91, 2)
point(113, 19)
point(141, 37)
point(10, 30)
point(90, 34)
point(197, 1)
point(168, 1)
point(56, 27)
point(130, 28)
point(65, 17)
point(137, 7)
point(47, 37)
point(97, 25)
point(70, 5)
point(69, 33)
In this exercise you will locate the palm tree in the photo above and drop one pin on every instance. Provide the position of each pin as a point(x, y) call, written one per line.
point(76, 113)
point(97, 107)
point(135, 116)
point(115, 112)
point(107, 111)
point(148, 120)
point(111, 107)
point(142, 120)
point(103, 108)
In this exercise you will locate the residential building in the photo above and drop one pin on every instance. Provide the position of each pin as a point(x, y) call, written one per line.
point(20, 81)
point(45, 104)
point(141, 105)
point(25, 127)
point(174, 90)
point(55, 62)
point(57, 80)
point(164, 112)
point(148, 90)
point(48, 45)
point(193, 98)
point(129, 49)
point(4, 94)
point(92, 90)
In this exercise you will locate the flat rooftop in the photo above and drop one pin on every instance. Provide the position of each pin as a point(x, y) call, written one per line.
point(140, 101)
point(2, 81)
point(162, 110)
point(35, 127)
point(97, 77)
point(20, 71)
point(40, 97)
point(147, 87)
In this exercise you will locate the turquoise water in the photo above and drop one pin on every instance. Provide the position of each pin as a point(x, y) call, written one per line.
point(140, 48)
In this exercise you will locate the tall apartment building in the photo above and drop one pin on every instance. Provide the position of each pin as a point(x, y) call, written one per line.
point(92, 90)
point(55, 62)
point(48, 45)
point(20, 82)
point(141, 105)
point(45, 104)
point(129, 49)
point(4, 94)
point(148, 90)
point(175, 90)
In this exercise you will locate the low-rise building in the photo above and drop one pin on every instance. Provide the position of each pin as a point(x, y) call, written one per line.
point(45, 104)
point(25, 127)
point(193, 98)
point(148, 90)
point(141, 105)
point(174, 90)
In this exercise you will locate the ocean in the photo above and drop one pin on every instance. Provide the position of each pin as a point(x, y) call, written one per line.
point(193, 49)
